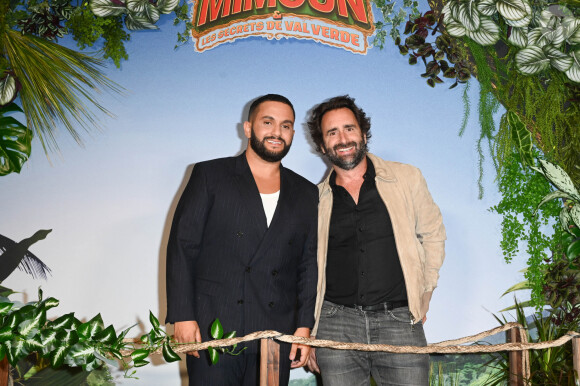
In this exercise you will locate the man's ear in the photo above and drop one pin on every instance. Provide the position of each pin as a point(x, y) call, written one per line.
point(248, 129)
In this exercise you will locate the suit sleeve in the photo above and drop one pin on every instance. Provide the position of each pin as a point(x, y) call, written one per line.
point(184, 247)
point(308, 269)
point(430, 232)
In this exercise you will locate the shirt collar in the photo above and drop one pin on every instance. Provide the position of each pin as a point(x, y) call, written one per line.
point(369, 175)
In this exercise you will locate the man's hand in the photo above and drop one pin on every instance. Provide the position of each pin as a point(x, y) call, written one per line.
point(312, 364)
point(304, 350)
point(188, 332)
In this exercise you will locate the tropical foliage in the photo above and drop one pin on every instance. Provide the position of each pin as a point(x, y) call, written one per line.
point(552, 366)
point(24, 329)
point(15, 139)
point(56, 86)
point(547, 38)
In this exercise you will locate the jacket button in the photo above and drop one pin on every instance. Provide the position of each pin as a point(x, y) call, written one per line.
point(271, 304)
point(274, 273)
point(248, 269)
point(240, 234)
point(241, 301)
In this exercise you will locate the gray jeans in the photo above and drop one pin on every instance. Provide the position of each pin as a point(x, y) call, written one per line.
point(350, 368)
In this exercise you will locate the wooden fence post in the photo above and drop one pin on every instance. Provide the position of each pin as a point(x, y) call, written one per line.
point(269, 362)
point(576, 357)
point(516, 359)
point(4, 371)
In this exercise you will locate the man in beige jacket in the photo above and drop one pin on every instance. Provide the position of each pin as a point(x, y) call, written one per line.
point(381, 243)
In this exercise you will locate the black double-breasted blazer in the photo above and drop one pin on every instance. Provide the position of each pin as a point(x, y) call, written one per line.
point(223, 261)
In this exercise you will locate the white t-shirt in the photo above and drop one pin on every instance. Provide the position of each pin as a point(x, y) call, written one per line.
point(270, 201)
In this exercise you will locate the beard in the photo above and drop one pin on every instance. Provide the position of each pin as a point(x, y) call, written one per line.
point(350, 162)
point(259, 148)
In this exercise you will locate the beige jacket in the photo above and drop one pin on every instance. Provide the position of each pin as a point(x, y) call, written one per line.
point(417, 225)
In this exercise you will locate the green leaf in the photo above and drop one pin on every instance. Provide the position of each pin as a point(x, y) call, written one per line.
point(168, 354)
point(524, 21)
point(13, 320)
point(575, 214)
point(106, 336)
point(68, 337)
point(7, 89)
point(34, 343)
point(455, 29)
point(214, 355)
point(573, 72)
point(565, 219)
point(92, 327)
point(104, 8)
point(217, 330)
point(512, 9)
point(50, 303)
point(48, 337)
point(167, 6)
point(532, 60)
point(15, 142)
point(559, 178)
point(135, 23)
point(523, 285)
point(487, 7)
point(522, 137)
point(518, 305)
point(558, 59)
point(140, 363)
point(154, 321)
point(229, 335)
point(5, 307)
point(63, 322)
point(468, 15)
point(58, 355)
point(573, 250)
point(2, 351)
point(143, 9)
point(16, 350)
point(487, 34)
point(139, 354)
point(571, 30)
point(550, 197)
point(28, 326)
point(6, 334)
point(518, 37)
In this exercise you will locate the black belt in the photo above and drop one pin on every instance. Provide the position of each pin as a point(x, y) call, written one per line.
point(379, 307)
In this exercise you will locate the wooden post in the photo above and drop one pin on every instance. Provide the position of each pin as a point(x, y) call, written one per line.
point(576, 357)
point(269, 363)
point(4, 371)
point(516, 359)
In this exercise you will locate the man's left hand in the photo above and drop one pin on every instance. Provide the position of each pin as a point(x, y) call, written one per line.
point(304, 350)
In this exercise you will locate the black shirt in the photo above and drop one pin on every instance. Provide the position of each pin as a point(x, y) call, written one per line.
point(363, 266)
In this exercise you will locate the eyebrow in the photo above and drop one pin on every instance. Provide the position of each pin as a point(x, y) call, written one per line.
point(272, 118)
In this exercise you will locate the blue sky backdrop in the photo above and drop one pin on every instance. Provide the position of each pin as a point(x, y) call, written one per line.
point(110, 203)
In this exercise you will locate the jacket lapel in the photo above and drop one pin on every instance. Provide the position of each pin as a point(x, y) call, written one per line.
point(250, 197)
point(282, 213)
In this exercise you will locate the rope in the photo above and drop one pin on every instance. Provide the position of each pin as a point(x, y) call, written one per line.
point(445, 347)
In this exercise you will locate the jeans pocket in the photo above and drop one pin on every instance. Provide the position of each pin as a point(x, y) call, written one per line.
point(400, 314)
point(328, 310)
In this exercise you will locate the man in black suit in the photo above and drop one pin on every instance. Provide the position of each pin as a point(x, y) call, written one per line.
point(243, 249)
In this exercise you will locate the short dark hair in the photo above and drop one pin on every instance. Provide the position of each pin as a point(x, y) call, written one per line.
point(269, 98)
point(338, 102)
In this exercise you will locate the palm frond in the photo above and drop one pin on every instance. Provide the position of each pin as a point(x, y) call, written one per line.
point(58, 86)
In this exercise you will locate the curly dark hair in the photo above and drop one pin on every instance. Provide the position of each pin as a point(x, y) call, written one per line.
point(338, 102)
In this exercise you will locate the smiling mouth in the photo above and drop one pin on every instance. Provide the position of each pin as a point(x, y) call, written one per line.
point(345, 149)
